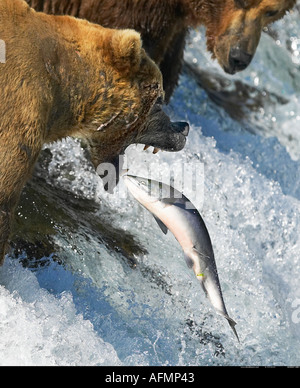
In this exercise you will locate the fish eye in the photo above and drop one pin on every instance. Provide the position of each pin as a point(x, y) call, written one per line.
point(270, 14)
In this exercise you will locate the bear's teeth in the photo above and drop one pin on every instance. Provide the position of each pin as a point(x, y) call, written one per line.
point(155, 149)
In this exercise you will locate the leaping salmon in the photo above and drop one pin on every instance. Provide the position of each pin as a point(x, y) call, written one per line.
point(174, 212)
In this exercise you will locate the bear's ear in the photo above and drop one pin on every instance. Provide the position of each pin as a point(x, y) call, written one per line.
point(125, 50)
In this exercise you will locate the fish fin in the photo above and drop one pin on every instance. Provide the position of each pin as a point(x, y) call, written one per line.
point(161, 225)
point(204, 289)
point(188, 261)
point(200, 253)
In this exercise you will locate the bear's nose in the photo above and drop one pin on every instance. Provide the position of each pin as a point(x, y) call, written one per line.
point(239, 59)
point(181, 127)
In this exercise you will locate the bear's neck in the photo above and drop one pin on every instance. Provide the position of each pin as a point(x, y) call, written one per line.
point(201, 12)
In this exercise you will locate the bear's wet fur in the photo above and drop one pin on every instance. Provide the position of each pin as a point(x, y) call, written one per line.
point(67, 77)
point(233, 27)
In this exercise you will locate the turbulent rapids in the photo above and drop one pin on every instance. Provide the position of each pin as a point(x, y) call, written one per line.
point(91, 281)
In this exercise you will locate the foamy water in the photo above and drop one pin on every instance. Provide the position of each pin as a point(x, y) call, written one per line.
point(92, 308)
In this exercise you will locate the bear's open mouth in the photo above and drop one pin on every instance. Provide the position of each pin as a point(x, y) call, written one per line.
point(172, 139)
point(155, 149)
point(158, 131)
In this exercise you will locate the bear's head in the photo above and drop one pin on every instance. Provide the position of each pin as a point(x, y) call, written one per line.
point(233, 27)
point(126, 104)
point(131, 90)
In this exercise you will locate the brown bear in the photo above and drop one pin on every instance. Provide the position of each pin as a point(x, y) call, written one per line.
point(67, 77)
point(233, 27)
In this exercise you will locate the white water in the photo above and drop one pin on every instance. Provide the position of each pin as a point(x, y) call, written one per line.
point(94, 309)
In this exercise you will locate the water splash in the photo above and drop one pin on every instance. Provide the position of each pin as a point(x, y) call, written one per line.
point(90, 305)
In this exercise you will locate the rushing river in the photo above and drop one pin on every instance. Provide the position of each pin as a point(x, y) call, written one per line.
point(91, 279)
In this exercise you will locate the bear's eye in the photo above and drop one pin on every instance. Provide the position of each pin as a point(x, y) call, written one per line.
point(270, 14)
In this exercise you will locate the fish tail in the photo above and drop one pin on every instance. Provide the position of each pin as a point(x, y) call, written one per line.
point(232, 324)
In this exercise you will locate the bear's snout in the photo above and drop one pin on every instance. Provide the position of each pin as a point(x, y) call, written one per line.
point(181, 127)
point(160, 132)
point(239, 59)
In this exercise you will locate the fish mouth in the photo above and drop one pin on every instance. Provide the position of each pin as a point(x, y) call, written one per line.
point(173, 140)
point(158, 132)
point(135, 180)
point(130, 180)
